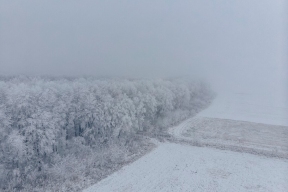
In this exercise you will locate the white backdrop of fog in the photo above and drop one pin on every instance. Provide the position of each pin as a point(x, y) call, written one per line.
point(234, 44)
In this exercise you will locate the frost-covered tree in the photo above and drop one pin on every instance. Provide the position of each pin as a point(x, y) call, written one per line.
point(47, 123)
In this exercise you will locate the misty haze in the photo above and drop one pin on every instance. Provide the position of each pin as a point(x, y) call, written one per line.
point(143, 95)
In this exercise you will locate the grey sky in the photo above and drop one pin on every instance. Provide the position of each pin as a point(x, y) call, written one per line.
point(242, 41)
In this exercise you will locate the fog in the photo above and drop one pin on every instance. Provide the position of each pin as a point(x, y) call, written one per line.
point(233, 44)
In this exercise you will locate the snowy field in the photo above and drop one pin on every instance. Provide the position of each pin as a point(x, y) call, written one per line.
point(243, 136)
point(265, 107)
point(180, 167)
point(174, 167)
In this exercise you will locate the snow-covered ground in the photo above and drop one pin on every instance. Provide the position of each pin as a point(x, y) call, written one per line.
point(243, 136)
point(264, 107)
point(180, 167)
point(174, 167)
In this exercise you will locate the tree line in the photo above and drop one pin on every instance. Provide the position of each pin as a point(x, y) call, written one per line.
point(43, 120)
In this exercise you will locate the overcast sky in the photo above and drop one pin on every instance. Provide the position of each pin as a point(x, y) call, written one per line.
point(236, 42)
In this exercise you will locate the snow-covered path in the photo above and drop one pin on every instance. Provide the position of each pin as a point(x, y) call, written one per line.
point(180, 167)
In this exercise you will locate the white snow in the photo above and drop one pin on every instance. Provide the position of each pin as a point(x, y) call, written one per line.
point(266, 107)
point(174, 167)
point(256, 138)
